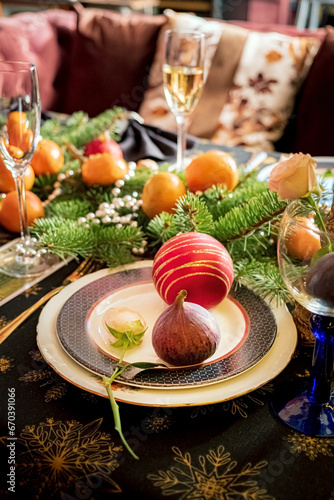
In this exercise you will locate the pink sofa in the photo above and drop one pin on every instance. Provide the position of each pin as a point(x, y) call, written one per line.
point(106, 62)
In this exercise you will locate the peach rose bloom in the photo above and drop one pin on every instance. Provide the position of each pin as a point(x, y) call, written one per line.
point(294, 178)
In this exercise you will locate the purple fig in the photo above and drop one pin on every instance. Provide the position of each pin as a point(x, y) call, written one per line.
point(185, 333)
point(320, 279)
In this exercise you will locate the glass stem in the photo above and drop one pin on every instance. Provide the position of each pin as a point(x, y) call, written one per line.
point(181, 144)
point(20, 187)
point(319, 387)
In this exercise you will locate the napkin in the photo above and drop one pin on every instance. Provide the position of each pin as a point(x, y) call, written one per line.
point(141, 141)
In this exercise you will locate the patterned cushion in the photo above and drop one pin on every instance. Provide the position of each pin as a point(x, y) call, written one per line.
point(270, 71)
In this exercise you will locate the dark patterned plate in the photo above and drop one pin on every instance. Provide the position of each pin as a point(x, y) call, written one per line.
point(244, 318)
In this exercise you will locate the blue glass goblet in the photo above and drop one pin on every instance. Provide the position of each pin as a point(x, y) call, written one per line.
point(308, 405)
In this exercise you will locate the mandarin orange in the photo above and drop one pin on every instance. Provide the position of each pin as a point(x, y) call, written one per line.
point(161, 192)
point(14, 151)
point(18, 134)
point(212, 168)
point(9, 213)
point(103, 169)
point(304, 241)
point(48, 158)
point(7, 182)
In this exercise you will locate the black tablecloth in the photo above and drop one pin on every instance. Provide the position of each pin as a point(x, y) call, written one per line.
point(67, 447)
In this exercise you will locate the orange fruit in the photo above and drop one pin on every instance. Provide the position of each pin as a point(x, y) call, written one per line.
point(9, 213)
point(15, 118)
point(103, 169)
point(7, 182)
point(304, 241)
point(14, 151)
point(212, 168)
point(18, 133)
point(161, 192)
point(48, 158)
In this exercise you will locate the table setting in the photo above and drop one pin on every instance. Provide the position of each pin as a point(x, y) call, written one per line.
point(166, 321)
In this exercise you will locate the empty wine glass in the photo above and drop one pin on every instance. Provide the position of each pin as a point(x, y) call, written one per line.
point(308, 405)
point(183, 74)
point(20, 124)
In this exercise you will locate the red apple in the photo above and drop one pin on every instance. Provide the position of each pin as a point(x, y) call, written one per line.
point(99, 146)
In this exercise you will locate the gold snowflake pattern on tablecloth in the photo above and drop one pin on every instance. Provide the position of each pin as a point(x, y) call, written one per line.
point(201, 410)
point(33, 290)
point(158, 422)
point(36, 356)
point(47, 376)
point(311, 446)
point(306, 373)
point(3, 321)
point(58, 455)
point(6, 363)
point(243, 404)
point(213, 477)
point(89, 396)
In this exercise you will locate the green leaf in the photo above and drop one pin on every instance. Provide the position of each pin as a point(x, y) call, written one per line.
point(130, 335)
point(323, 251)
point(146, 365)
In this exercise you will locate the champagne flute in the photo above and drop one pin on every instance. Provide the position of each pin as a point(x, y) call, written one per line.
point(306, 405)
point(183, 74)
point(20, 112)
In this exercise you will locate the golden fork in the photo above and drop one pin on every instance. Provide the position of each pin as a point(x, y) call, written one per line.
point(86, 267)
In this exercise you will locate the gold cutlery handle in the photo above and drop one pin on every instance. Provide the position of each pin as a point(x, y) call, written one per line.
point(8, 329)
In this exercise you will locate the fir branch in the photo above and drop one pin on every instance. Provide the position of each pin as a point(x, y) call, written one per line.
point(69, 209)
point(263, 278)
point(113, 255)
point(248, 217)
point(219, 203)
point(192, 214)
point(114, 245)
point(161, 228)
point(64, 238)
point(126, 235)
point(44, 185)
point(79, 129)
point(260, 243)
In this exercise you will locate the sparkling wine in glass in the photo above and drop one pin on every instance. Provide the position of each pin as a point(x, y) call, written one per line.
point(20, 113)
point(307, 405)
point(183, 76)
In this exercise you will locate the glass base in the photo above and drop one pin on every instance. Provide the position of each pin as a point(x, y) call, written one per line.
point(176, 168)
point(19, 259)
point(292, 406)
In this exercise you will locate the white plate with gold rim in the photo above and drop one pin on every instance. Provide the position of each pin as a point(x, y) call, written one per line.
point(268, 368)
point(247, 325)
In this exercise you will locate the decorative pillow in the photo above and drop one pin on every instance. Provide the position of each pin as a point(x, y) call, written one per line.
point(110, 60)
point(270, 72)
point(35, 41)
point(263, 84)
point(311, 128)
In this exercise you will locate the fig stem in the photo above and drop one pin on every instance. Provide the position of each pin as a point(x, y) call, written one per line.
point(180, 298)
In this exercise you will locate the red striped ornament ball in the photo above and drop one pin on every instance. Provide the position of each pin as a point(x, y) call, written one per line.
point(195, 262)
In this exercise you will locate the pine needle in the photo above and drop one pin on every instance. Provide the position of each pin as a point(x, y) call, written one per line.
point(248, 217)
point(192, 214)
point(263, 278)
